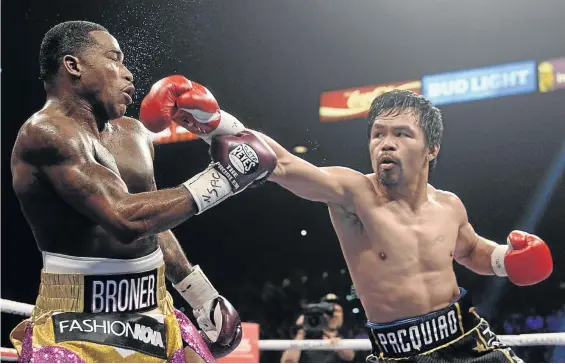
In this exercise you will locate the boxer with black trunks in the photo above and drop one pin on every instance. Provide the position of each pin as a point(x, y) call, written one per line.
point(83, 174)
point(400, 235)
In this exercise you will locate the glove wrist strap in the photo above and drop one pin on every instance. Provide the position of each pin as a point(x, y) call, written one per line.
point(208, 188)
point(196, 289)
point(497, 260)
point(229, 125)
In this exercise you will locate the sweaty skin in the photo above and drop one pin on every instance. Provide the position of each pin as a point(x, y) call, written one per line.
point(399, 235)
point(69, 183)
point(85, 184)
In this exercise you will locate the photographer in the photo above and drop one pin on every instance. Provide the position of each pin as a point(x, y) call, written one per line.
point(320, 321)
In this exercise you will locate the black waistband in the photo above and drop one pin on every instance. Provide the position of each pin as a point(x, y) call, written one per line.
point(121, 293)
point(420, 334)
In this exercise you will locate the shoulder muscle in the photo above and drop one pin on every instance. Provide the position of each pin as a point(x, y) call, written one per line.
point(452, 201)
point(137, 130)
point(50, 141)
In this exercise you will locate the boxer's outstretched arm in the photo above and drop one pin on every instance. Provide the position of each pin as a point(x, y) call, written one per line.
point(472, 250)
point(63, 158)
point(323, 184)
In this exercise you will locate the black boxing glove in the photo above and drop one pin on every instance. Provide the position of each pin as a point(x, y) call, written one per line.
point(237, 161)
point(219, 322)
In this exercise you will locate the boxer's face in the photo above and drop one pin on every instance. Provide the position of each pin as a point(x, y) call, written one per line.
point(397, 148)
point(104, 78)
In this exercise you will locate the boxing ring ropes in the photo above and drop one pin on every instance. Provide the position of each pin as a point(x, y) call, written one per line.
point(552, 339)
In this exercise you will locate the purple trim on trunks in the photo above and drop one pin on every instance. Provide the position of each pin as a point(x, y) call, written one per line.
point(192, 337)
point(55, 354)
point(27, 349)
point(177, 357)
point(46, 354)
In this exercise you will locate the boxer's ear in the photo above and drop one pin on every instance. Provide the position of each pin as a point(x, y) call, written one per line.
point(72, 65)
point(433, 151)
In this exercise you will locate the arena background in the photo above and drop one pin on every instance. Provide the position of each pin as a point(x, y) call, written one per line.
point(268, 62)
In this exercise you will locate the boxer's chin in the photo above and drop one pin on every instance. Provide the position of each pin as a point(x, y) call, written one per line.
point(118, 111)
point(388, 179)
point(123, 109)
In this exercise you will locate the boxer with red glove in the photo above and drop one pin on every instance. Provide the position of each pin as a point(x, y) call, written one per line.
point(526, 259)
point(403, 294)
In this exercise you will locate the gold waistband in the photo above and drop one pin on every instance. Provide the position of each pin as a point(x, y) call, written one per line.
point(65, 292)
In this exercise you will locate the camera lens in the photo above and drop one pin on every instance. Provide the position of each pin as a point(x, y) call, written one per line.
point(313, 321)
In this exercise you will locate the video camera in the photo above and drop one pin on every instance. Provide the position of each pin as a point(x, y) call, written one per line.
point(314, 319)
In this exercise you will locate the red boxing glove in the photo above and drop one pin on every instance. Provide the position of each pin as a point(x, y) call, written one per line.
point(159, 105)
point(175, 98)
point(189, 104)
point(526, 260)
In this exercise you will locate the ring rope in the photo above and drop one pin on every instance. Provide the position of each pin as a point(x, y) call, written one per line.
point(17, 308)
point(24, 309)
point(365, 344)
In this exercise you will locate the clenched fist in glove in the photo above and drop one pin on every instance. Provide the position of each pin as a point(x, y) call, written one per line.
point(189, 104)
point(526, 259)
point(219, 322)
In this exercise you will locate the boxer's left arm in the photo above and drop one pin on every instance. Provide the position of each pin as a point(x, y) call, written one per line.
point(471, 250)
point(177, 265)
point(526, 259)
point(218, 320)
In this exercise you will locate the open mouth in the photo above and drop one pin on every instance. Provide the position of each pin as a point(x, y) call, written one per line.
point(387, 162)
point(128, 93)
point(128, 98)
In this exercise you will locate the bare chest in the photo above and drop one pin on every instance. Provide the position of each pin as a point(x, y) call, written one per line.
point(129, 157)
point(378, 235)
point(427, 236)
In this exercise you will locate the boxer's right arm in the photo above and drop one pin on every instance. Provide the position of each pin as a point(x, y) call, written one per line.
point(67, 162)
point(331, 185)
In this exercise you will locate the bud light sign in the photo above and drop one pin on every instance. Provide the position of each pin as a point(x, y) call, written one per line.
point(480, 83)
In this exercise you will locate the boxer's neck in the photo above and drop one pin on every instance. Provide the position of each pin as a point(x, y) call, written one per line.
point(77, 108)
point(414, 193)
